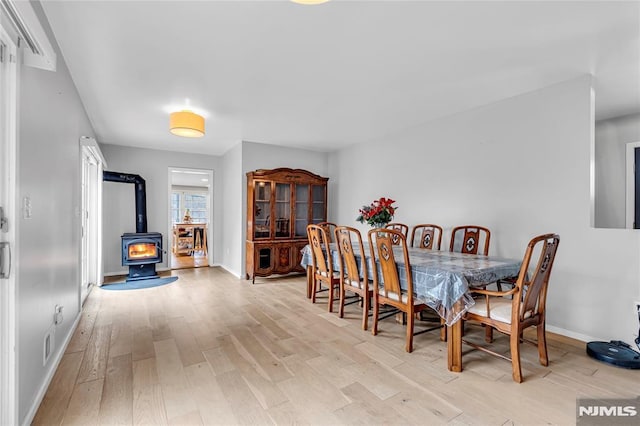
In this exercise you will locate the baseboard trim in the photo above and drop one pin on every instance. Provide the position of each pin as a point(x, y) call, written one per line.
point(234, 273)
point(28, 419)
point(570, 334)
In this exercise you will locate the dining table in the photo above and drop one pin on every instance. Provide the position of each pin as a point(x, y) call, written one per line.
point(441, 279)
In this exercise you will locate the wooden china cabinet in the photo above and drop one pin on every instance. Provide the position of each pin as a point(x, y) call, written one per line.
point(280, 205)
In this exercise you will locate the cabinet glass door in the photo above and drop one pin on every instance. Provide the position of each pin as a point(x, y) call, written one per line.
point(262, 210)
point(318, 207)
point(302, 210)
point(283, 210)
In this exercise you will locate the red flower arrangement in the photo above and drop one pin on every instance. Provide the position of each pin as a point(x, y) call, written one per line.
point(378, 213)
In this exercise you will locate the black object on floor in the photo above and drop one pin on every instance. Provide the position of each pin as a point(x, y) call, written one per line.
point(615, 352)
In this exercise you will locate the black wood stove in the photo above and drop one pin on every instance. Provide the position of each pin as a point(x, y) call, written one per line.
point(140, 250)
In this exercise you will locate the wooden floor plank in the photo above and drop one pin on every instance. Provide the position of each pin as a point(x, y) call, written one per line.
point(55, 402)
point(148, 401)
point(148, 406)
point(190, 352)
point(80, 338)
point(116, 407)
point(262, 386)
point(208, 396)
point(255, 351)
point(94, 362)
point(246, 408)
point(84, 405)
point(121, 337)
point(265, 321)
point(178, 401)
point(143, 343)
point(366, 408)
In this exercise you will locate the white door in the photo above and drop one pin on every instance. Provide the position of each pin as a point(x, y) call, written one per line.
point(8, 106)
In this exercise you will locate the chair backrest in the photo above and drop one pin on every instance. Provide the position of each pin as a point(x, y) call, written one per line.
point(401, 227)
point(383, 262)
point(321, 257)
point(329, 228)
point(533, 280)
point(345, 237)
point(469, 239)
point(430, 236)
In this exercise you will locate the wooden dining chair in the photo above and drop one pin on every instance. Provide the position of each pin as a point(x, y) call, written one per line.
point(329, 228)
point(430, 236)
point(401, 227)
point(386, 281)
point(469, 238)
point(520, 307)
point(322, 264)
point(353, 277)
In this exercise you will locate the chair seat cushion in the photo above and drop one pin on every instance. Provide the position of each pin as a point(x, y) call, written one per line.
point(394, 296)
point(499, 307)
point(357, 284)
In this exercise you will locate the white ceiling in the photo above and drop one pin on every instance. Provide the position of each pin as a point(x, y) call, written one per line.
point(325, 76)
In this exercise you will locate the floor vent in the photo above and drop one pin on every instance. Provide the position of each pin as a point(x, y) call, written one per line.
point(47, 347)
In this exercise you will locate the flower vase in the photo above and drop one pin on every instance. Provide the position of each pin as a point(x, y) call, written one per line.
point(379, 225)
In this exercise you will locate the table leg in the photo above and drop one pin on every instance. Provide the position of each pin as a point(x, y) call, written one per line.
point(454, 346)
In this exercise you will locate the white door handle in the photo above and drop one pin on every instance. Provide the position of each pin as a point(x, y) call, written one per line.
point(4, 274)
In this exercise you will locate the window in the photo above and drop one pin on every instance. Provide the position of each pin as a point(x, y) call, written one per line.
point(196, 202)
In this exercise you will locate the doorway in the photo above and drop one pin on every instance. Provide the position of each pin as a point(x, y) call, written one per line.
point(8, 219)
point(190, 214)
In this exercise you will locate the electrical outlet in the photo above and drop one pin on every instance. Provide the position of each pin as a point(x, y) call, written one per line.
point(57, 316)
point(26, 207)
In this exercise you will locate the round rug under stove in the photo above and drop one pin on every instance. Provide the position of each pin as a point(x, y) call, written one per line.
point(139, 284)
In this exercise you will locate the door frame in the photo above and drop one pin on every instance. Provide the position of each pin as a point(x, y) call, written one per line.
point(92, 165)
point(169, 243)
point(631, 184)
point(8, 155)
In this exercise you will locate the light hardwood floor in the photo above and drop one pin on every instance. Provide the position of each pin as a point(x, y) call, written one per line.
point(213, 349)
point(198, 259)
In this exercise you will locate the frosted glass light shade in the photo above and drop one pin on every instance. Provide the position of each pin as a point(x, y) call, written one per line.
point(187, 124)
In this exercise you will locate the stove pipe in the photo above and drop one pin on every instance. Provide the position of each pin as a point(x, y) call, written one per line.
point(141, 195)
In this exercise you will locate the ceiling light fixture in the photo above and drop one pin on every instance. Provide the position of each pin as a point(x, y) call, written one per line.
point(187, 124)
point(309, 1)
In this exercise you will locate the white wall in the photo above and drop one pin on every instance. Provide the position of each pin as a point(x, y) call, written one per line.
point(611, 138)
point(521, 168)
point(51, 121)
point(263, 156)
point(232, 237)
point(119, 198)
